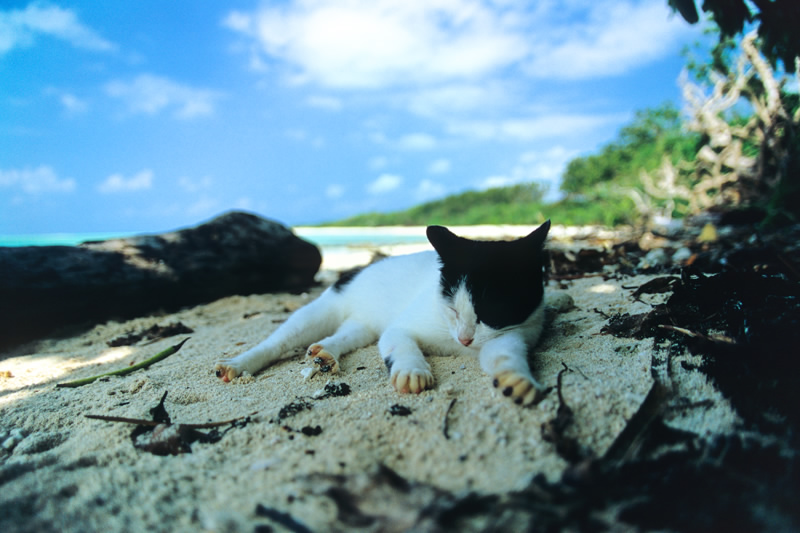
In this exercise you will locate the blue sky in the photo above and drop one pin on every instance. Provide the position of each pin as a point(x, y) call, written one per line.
point(149, 115)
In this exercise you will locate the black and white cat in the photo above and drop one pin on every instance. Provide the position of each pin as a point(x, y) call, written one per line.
point(479, 298)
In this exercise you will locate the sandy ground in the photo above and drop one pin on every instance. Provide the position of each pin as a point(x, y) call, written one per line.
point(60, 471)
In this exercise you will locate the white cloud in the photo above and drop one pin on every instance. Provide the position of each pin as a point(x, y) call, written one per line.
point(334, 191)
point(544, 167)
point(613, 38)
point(151, 94)
point(117, 183)
point(417, 141)
point(195, 185)
point(531, 128)
point(20, 27)
point(385, 183)
point(459, 98)
point(378, 163)
point(383, 43)
point(244, 203)
point(327, 103)
point(492, 182)
point(376, 43)
point(378, 137)
point(71, 103)
point(39, 180)
point(439, 166)
point(301, 135)
point(203, 206)
point(238, 21)
point(428, 190)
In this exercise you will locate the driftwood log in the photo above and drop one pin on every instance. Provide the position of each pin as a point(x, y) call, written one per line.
point(43, 288)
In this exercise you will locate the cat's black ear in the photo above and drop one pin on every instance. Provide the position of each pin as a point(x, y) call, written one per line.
point(537, 236)
point(441, 238)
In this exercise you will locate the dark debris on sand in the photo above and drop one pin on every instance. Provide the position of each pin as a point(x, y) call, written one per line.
point(735, 302)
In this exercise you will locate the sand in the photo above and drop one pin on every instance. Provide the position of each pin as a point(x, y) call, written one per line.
point(60, 471)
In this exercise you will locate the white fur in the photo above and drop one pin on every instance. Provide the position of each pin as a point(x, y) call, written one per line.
point(398, 302)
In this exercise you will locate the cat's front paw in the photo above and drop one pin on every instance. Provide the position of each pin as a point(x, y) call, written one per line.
point(226, 370)
point(413, 381)
point(322, 359)
point(523, 390)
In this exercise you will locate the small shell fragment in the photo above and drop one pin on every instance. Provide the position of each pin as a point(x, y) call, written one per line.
point(309, 372)
point(263, 464)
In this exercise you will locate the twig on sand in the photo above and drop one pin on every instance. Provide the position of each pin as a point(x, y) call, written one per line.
point(143, 422)
point(127, 370)
point(446, 414)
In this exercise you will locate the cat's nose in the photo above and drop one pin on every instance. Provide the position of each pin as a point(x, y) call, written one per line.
point(465, 342)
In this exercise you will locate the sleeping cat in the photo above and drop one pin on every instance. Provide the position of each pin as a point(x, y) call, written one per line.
point(479, 298)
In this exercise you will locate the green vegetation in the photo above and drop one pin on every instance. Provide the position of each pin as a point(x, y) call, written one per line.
point(642, 145)
point(594, 185)
point(777, 22)
point(520, 204)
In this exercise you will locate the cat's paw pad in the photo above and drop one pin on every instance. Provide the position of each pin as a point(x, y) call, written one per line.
point(413, 381)
point(322, 359)
point(226, 370)
point(521, 389)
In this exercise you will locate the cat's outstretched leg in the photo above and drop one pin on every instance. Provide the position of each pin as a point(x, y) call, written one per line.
point(408, 369)
point(350, 336)
point(505, 359)
point(308, 324)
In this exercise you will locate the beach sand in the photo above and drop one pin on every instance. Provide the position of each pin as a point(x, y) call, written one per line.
point(71, 473)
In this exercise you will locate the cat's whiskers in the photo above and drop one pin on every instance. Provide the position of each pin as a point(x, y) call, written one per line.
point(494, 333)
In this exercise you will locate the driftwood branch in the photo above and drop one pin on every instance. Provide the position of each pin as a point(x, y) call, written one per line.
point(44, 288)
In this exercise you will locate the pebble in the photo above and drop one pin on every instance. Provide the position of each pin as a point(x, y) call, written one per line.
point(11, 438)
point(560, 301)
point(222, 521)
point(654, 258)
point(263, 464)
point(449, 390)
point(681, 254)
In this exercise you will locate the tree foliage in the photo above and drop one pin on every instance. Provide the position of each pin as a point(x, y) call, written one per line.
point(518, 204)
point(639, 145)
point(778, 22)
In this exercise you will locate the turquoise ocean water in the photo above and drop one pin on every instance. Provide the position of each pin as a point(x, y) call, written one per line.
point(322, 237)
point(55, 239)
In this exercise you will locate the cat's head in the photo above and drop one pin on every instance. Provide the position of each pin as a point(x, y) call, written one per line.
point(488, 285)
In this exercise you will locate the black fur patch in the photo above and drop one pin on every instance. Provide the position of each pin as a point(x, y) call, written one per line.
point(346, 277)
point(504, 278)
point(389, 362)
